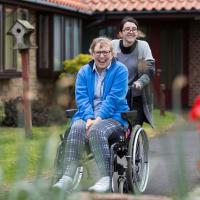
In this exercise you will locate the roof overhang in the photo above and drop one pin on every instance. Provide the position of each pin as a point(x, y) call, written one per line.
point(195, 14)
point(41, 5)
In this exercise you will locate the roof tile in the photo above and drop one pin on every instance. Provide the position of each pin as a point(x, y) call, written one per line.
point(138, 5)
point(74, 4)
point(128, 5)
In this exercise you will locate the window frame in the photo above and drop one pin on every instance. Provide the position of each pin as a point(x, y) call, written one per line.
point(44, 72)
point(50, 72)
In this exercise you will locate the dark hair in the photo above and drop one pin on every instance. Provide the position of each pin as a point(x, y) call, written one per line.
point(127, 19)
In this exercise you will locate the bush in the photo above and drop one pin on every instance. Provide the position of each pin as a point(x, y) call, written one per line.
point(47, 114)
point(11, 112)
point(39, 113)
point(73, 65)
point(68, 75)
point(14, 113)
point(2, 112)
point(56, 115)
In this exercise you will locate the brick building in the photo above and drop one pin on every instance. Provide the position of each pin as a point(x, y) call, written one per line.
point(57, 36)
point(172, 30)
point(66, 28)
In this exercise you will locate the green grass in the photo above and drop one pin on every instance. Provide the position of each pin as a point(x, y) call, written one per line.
point(18, 153)
point(29, 158)
point(162, 123)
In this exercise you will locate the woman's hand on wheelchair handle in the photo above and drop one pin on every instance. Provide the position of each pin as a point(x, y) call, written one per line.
point(137, 85)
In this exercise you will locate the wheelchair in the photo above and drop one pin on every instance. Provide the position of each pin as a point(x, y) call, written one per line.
point(129, 158)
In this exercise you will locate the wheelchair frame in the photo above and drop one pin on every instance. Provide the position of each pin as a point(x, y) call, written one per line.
point(127, 176)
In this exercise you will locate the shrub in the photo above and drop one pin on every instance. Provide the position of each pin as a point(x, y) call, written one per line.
point(11, 112)
point(39, 113)
point(2, 112)
point(73, 65)
point(14, 113)
point(56, 115)
point(47, 114)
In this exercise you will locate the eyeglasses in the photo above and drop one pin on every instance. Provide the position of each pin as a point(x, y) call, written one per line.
point(128, 29)
point(98, 53)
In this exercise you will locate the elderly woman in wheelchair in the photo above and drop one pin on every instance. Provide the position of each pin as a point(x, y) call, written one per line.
point(103, 123)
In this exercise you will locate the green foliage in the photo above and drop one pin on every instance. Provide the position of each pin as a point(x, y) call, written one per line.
point(68, 76)
point(26, 165)
point(13, 145)
point(2, 112)
point(11, 108)
point(162, 123)
point(73, 65)
point(11, 113)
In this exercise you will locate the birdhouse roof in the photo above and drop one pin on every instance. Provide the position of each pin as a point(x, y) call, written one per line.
point(25, 24)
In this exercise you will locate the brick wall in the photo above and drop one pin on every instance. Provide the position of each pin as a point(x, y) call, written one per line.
point(194, 61)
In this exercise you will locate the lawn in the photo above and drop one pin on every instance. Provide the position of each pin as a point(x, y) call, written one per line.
point(25, 157)
point(28, 159)
point(162, 123)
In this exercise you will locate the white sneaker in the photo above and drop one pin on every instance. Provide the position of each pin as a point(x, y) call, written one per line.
point(102, 185)
point(65, 183)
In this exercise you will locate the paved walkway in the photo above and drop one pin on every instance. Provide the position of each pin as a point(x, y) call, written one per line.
point(173, 161)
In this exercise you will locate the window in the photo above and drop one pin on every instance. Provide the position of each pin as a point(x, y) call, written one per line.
point(58, 48)
point(94, 29)
point(44, 42)
point(108, 31)
point(10, 60)
point(59, 39)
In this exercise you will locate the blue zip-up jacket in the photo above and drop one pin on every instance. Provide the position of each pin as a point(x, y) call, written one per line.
point(114, 92)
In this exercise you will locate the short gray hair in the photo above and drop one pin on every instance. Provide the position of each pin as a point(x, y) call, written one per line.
point(101, 40)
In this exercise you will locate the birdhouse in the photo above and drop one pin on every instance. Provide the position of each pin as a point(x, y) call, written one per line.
point(21, 31)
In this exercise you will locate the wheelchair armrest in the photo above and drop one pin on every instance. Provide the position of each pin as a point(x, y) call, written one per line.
point(129, 115)
point(70, 112)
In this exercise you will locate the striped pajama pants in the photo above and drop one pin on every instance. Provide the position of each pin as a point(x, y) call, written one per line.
point(98, 142)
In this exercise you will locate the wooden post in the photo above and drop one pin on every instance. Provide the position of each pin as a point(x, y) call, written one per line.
point(26, 101)
point(162, 100)
point(21, 31)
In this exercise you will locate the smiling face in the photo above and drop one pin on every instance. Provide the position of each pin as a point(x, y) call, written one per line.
point(102, 55)
point(129, 33)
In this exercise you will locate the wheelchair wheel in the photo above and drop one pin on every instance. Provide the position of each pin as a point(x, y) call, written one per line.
point(138, 164)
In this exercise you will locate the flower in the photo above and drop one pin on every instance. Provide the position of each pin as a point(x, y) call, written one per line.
point(194, 113)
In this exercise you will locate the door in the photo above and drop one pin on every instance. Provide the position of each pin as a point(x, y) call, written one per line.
point(168, 48)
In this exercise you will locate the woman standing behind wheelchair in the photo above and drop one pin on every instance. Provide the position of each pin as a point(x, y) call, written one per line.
point(136, 55)
point(101, 89)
